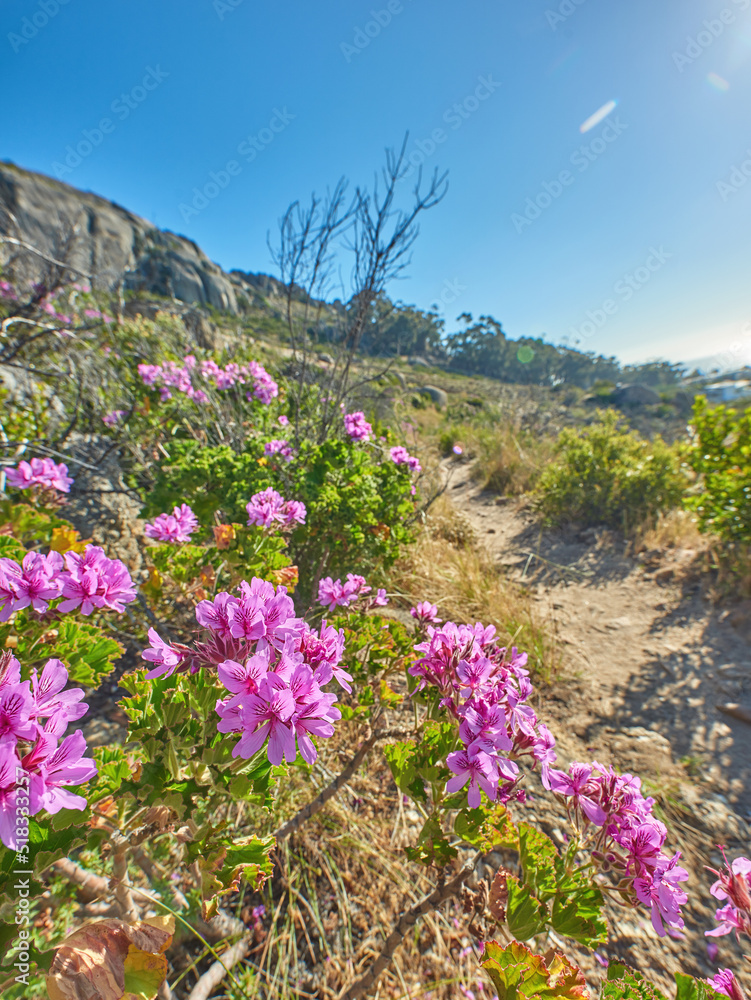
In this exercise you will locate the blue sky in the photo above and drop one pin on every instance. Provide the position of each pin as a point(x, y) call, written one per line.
point(630, 239)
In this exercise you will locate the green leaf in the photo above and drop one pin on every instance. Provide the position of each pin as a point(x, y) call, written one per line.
point(688, 988)
point(89, 655)
point(223, 863)
point(11, 548)
point(518, 974)
point(580, 916)
point(525, 915)
point(537, 854)
point(624, 983)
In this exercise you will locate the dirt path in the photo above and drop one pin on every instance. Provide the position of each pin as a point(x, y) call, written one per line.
point(647, 663)
point(645, 654)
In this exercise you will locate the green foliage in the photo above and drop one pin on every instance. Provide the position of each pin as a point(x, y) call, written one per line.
point(519, 974)
point(720, 454)
point(604, 476)
point(357, 504)
point(551, 891)
point(624, 983)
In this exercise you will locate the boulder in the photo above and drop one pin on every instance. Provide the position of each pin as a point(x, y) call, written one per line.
point(635, 395)
point(436, 395)
point(103, 241)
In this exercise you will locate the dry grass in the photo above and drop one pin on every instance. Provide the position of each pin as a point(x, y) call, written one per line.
point(339, 886)
point(675, 529)
point(447, 567)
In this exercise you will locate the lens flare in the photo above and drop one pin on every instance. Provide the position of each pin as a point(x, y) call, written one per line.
point(718, 82)
point(598, 116)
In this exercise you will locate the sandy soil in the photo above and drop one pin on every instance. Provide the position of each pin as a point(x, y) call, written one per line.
point(647, 662)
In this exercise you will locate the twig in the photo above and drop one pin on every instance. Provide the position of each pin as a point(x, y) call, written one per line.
point(329, 791)
point(404, 924)
point(91, 886)
point(44, 256)
point(216, 972)
point(123, 894)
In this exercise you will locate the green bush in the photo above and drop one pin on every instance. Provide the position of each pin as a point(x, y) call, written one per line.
point(358, 501)
point(720, 455)
point(605, 476)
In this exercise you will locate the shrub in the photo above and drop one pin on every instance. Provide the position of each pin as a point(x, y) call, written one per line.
point(358, 507)
point(607, 476)
point(720, 455)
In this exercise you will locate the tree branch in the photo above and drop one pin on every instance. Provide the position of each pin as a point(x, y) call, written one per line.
point(404, 924)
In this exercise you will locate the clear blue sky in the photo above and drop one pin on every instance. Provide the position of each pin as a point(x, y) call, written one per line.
point(219, 72)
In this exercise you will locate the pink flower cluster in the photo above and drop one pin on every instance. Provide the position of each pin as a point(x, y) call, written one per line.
point(357, 426)
point(400, 456)
point(278, 447)
point(35, 771)
point(335, 594)
point(270, 510)
point(273, 665)
point(97, 314)
point(7, 291)
point(89, 581)
point(631, 839)
point(726, 983)
point(40, 472)
point(175, 527)
point(171, 375)
point(734, 885)
point(113, 417)
point(425, 613)
point(485, 688)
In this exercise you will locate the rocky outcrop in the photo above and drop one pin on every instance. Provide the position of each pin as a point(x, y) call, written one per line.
point(109, 244)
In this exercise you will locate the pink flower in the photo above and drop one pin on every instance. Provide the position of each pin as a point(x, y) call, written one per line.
point(426, 613)
point(278, 447)
point(175, 527)
point(39, 582)
point(334, 593)
point(41, 472)
point(267, 715)
point(52, 768)
point(481, 770)
point(269, 509)
point(10, 766)
point(283, 420)
point(357, 426)
point(400, 456)
point(725, 982)
point(113, 417)
point(93, 581)
point(659, 890)
point(164, 657)
point(579, 786)
point(17, 712)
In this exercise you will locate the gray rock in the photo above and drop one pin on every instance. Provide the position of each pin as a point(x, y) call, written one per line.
point(438, 396)
point(635, 395)
point(105, 241)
